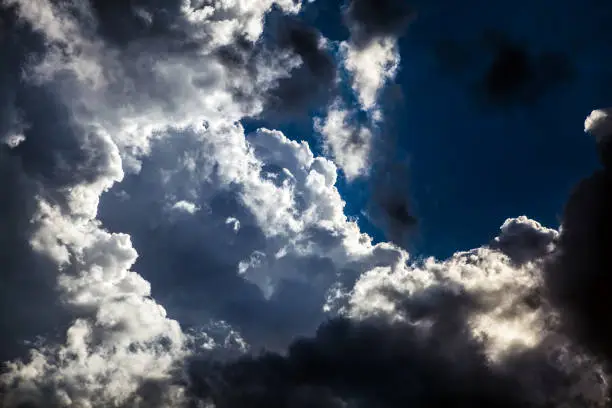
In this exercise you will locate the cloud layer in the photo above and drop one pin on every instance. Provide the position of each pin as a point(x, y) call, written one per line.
point(157, 255)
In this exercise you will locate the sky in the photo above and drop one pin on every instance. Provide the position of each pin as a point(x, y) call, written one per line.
point(228, 204)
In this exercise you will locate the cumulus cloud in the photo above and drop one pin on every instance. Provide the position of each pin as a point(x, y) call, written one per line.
point(164, 128)
point(524, 240)
point(79, 108)
point(147, 240)
point(472, 330)
point(235, 225)
point(514, 323)
point(599, 124)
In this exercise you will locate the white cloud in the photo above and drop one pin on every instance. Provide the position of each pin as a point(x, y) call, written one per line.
point(348, 143)
point(599, 124)
point(371, 67)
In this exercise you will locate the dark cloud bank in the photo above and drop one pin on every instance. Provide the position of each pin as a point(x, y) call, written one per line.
point(377, 363)
point(427, 357)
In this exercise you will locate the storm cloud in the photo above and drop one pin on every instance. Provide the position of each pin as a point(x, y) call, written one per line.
point(155, 254)
point(578, 277)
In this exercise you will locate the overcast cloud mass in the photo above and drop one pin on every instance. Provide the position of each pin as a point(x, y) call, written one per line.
point(155, 254)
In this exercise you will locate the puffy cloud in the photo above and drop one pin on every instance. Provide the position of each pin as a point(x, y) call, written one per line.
point(370, 58)
point(148, 240)
point(475, 329)
point(599, 124)
point(78, 110)
point(348, 142)
point(371, 68)
point(524, 240)
point(269, 277)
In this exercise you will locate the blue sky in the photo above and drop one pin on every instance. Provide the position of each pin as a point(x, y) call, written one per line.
point(474, 162)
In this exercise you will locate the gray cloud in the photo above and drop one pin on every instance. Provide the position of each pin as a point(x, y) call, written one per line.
point(49, 157)
point(524, 240)
point(578, 275)
point(429, 342)
point(243, 238)
point(192, 259)
point(370, 19)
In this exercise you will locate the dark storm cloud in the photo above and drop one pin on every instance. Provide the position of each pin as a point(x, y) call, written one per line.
point(312, 84)
point(370, 19)
point(386, 365)
point(52, 157)
point(579, 278)
point(307, 87)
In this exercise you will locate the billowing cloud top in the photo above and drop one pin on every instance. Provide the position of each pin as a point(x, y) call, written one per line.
point(155, 254)
point(599, 124)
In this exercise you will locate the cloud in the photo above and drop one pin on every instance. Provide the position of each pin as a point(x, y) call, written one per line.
point(250, 231)
point(598, 123)
point(346, 140)
point(310, 85)
point(578, 274)
point(370, 58)
point(369, 19)
point(371, 54)
point(524, 240)
point(147, 239)
point(81, 109)
point(517, 74)
point(371, 68)
point(465, 332)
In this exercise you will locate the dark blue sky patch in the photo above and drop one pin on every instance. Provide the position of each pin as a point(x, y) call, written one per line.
point(476, 160)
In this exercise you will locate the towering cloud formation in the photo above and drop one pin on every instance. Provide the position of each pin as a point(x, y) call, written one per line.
point(147, 239)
